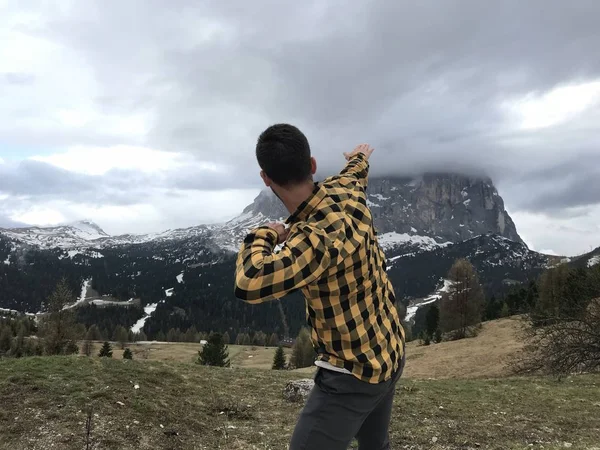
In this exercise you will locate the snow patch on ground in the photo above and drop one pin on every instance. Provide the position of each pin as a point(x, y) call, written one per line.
point(593, 261)
point(84, 290)
point(412, 310)
point(413, 229)
point(466, 202)
point(169, 292)
point(180, 278)
point(148, 310)
point(7, 260)
point(371, 204)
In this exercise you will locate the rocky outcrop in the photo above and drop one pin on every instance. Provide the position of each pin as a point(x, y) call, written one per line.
point(298, 390)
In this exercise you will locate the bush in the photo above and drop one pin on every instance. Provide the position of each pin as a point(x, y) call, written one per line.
point(127, 354)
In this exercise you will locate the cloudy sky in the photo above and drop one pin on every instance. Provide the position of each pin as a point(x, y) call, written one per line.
point(143, 115)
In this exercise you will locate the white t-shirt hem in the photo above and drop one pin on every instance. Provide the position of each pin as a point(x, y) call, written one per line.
point(328, 366)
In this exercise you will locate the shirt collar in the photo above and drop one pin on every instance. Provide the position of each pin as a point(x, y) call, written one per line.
point(307, 206)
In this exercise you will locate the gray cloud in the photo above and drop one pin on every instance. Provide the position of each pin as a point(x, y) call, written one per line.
point(422, 81)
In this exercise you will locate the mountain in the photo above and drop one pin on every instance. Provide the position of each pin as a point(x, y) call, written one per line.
point(426, 212)
point(424, 224)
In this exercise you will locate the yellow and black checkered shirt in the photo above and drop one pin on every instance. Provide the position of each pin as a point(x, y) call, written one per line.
point(333, 257)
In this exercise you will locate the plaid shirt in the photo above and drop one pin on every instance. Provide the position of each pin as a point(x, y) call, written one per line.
point(333, 257)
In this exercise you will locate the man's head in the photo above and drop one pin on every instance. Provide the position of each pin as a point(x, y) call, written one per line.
point(283, 154)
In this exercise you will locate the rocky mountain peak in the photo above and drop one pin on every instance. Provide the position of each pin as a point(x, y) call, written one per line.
point(445, 207)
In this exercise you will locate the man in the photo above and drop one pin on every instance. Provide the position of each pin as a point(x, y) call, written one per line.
point(330, 253)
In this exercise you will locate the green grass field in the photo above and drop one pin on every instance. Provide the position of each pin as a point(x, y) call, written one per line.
point(186, 406)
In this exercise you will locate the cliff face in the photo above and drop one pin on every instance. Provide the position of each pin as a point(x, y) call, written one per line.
point(446, 207)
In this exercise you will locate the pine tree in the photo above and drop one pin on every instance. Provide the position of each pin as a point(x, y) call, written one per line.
point(303, 353)
point(432, 319)
point(461, 307)
point(259, 339)
point(215, 352)
point(171, 335)
point(87, 344)
point(142, 336)
point(504, 312)
point(160, 337)
point(121, 336)
point(279, 359)
point(94, 333)
point(18, 345)
point(106, 350)
point(239, 339)
point(226, 340)
point(58, 327)
point(274, 340)
point(127, 354)
point(5, 340)
point(437, 337)
point(246, 339)
point(552, 283)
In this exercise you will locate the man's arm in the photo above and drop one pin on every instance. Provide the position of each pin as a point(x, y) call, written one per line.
point(358, 164)
point(262, 275)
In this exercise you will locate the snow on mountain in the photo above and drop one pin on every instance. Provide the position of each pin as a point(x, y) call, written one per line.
point(392, 239)
point(593, 261)
point(78, 234)
point(411, 215)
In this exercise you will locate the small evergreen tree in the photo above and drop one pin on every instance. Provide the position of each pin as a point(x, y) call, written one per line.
point(505, 311)
point(141, 336)
point(303, 352)
point(121, 336)
point(106, 350)
point(246, 339)
point(5, 340)
point(18, 345)
point(215, 352)
point(94, 333)
point(160, 337)
point(425, 338)
point(432, 319)
point(437, 337)
point(259, 339)
point(279, 359)
point(87, 347)
point(127, 354)
point(274, 340)
point(226, 339)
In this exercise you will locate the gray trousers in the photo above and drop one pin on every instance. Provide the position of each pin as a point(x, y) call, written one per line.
point(341, 408)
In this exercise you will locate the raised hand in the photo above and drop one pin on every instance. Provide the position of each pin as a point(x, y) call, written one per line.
point(281, 230)
point(365, 149)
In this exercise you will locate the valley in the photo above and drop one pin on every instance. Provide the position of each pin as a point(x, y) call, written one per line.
point(184, 277)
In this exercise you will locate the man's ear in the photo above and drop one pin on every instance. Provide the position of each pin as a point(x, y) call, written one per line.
point(265, 178)
point(313, 165)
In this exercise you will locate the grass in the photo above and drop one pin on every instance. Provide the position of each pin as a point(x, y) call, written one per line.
point(487, 355)
point(186, 406)
point(240, 355)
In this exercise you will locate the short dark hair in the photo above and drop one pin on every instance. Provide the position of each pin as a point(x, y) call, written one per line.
point(283, 153)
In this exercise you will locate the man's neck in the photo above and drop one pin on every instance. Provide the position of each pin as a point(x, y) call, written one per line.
point(294, 196)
